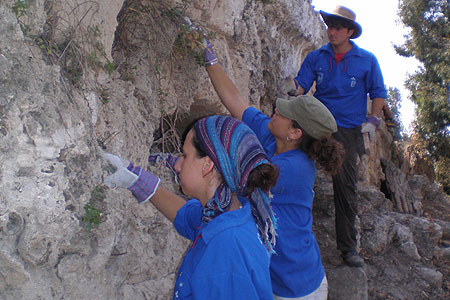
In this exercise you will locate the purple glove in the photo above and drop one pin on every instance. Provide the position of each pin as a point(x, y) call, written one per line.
point(141, 183)
point(373, 120)
point(168, 159)
point(208, 53)
point(145, 186)
point(371, 125)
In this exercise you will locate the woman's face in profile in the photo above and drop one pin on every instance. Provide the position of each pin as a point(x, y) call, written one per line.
point(279, 125)
point(189, 167)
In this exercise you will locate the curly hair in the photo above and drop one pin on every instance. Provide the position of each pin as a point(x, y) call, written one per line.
point(263, 176)
point(328, 152)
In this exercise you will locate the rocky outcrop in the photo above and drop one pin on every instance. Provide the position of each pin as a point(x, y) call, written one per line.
point(78, 77)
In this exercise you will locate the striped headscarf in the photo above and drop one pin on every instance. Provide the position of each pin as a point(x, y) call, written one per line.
point(235, 151)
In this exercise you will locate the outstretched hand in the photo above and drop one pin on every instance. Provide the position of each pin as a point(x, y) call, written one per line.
point(208, 53)
point(209, 57)
point(167, 159)
point(122, 177)
point(141, 183)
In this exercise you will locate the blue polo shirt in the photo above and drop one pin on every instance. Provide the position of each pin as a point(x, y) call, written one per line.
point(343, 87)
point(227, 259)
point(296, 269)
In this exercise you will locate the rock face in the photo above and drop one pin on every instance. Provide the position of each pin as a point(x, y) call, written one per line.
point(78, 77)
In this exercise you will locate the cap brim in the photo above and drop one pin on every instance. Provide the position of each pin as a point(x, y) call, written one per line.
point(312, 115)
point(357, 30)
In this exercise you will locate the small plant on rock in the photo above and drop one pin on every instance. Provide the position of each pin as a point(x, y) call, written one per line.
point(20, 9)
point(93, 211)
point(92, 217)
point(191, 41)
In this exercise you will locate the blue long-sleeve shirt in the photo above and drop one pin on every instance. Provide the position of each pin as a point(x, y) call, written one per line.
point(227, 259)
point(296, 269)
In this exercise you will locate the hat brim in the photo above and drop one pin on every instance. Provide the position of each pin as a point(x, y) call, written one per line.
point(357, 30)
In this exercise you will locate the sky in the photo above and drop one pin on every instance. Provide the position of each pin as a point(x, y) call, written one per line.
point(380, 31)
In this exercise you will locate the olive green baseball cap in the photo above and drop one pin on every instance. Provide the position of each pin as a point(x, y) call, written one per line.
point(312, 116)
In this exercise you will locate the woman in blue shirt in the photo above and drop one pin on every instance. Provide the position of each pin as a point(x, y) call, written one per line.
point(297, 136)
point(227, 175)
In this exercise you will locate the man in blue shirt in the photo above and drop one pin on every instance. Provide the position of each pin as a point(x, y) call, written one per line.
point(344, 75)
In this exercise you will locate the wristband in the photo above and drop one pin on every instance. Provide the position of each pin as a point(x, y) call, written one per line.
point(373, 120)
point(211, 63)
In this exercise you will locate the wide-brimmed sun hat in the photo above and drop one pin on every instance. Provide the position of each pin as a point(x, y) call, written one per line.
point(312, 116)
point(343, 14)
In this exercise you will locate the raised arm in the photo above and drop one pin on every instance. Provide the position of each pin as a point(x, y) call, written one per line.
point(227, 91)
point(224, 87)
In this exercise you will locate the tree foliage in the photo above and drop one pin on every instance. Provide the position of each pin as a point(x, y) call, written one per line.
point(394, 101)
point(429, 42)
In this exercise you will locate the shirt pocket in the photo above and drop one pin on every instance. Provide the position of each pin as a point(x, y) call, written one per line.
point(320, 72)
point(353, 78)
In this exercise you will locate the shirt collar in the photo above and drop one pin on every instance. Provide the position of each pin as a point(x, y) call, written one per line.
point(355, 50)
point(227, 220)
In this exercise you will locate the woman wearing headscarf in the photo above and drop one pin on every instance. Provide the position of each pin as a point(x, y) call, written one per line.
point(297, 136)
point(227, 175)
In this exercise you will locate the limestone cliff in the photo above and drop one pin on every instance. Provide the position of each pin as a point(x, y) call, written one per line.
point(80, 76)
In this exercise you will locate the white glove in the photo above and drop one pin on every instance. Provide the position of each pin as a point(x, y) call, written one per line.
point(369, 127)
point(122, 177)
point(289, 87)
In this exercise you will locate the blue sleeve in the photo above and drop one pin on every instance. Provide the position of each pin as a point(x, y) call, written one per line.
point(258, 122)
point(189, 218)
point(306, 76)
point(375, 81)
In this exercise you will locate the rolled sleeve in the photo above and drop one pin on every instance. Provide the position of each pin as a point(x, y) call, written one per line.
point(305, 76)
point(377, 89)
point(188, 219)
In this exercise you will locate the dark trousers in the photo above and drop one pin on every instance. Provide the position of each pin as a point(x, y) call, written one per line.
point(344, 186)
